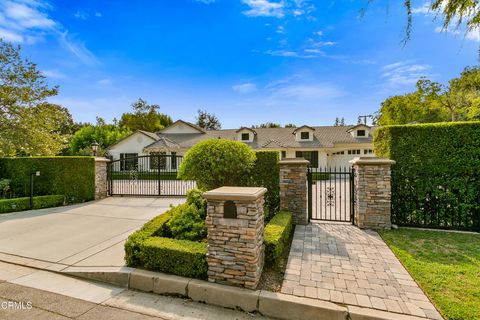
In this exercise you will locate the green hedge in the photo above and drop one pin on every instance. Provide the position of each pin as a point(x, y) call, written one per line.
point(73, 177)
point(276, 235)
point(22, 204)
point(181, 257)
point(150, 248)
point(266, 173)
point(436, 178)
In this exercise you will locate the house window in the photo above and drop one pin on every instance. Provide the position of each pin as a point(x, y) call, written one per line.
point(367, 151)
point(158, 160)
point(174, 161)
point(245, 136)
point(361, 133)
point(305, 135)
point(311, 156)
point(129, 161)
point(284, 154)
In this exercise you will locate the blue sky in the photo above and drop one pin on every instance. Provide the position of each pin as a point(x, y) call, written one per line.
point(247, 61)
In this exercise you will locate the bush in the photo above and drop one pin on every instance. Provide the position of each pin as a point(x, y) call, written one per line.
point(151, 248)
point(215, 163)
point(276, 235)
point(436, 178)
point(181, 257)
point(73, 177)
point(189, 222)
point(22, 204)
point(154, 227)
point(266, 173)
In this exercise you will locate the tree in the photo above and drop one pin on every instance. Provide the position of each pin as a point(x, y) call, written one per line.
point(105, 134)
point(339, 121)
point(207, 121)
point(453, 12)
point(28, 124)
point(434, 102)
point(267, 125)
point(290, 125)
point(215, 163)
point(145, 117)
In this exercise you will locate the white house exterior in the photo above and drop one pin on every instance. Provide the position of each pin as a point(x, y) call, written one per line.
point(323, 146)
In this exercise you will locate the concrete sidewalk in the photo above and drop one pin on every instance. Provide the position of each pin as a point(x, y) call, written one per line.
point(88, 235)
point(55, 296)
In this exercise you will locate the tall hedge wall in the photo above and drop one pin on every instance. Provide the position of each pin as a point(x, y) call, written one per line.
point(266, 173)
point(73, 177)
point(436, 180)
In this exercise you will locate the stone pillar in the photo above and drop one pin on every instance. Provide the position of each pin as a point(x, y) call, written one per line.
point(101, 182)
point(235, 235)
point(372, 192)
point(293, 188)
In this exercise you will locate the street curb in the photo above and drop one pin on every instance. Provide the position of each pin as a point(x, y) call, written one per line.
point(270, 304)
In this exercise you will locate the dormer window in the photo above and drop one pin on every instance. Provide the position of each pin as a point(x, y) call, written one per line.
point(361, 133)
point(305, 135)
point(245, 136)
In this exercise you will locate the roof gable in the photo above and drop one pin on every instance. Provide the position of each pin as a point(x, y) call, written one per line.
point(181, 126)
point(303, 127)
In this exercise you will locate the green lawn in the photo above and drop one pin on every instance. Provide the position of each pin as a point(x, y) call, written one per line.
point(445, 264)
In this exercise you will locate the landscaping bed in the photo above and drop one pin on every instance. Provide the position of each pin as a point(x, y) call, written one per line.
point(446, 265)
point(22, 204)
point(175, 242)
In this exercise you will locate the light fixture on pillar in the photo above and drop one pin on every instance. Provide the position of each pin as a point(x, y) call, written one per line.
point(94, 148)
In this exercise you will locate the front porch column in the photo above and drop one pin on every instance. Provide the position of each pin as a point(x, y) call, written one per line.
point(293, 188)
point(372, 192)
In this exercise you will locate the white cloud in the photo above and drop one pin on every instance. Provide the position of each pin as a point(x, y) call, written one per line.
point(78, 49)
point(280, 29)
point(105, 82)
point(319, 33)
point(473, 35)
point(81, 15)
point(308, 92)
point(264, 8)
point(245, 87)
point(55, 74)
point(98, 14)
point(27, 22)
point(423, 9)
point(404, 73)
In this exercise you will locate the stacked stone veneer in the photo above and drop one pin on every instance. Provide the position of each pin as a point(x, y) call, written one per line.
point(235, 245)
point(293, 188)
point(101, 182)
point(372, 192)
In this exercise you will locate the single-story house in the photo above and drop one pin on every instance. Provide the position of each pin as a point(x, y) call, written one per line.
point(323, 146)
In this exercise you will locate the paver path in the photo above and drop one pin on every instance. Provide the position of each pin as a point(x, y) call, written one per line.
point(344, 264)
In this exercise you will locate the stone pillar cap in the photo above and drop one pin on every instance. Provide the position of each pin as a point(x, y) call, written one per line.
point(371, 161)
point(294, 161)
point(102, 159)
point(235, 193)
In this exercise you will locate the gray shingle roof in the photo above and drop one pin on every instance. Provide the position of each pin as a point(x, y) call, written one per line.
point(267, 138)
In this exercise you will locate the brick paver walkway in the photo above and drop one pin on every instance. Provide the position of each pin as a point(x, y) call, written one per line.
point(343, 264)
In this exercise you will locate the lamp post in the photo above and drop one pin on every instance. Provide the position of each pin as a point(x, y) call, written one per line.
point(32, 175)
point(94, 148)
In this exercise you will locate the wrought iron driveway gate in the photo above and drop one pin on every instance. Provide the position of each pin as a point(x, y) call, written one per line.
point(331, 194)
point(152, 175)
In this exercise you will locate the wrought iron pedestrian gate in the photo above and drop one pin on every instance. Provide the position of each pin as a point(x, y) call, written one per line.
point(151, 175)
point(331, 194)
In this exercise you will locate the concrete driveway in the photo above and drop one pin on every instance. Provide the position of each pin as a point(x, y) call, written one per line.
point(89, 234)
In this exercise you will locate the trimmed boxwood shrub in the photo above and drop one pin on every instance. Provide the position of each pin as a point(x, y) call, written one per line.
point(22, 204)
point(73, 177)
point(181, 257)
point(153, 247)
point(276, 235)
point(216, 163)
point(436, 178)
